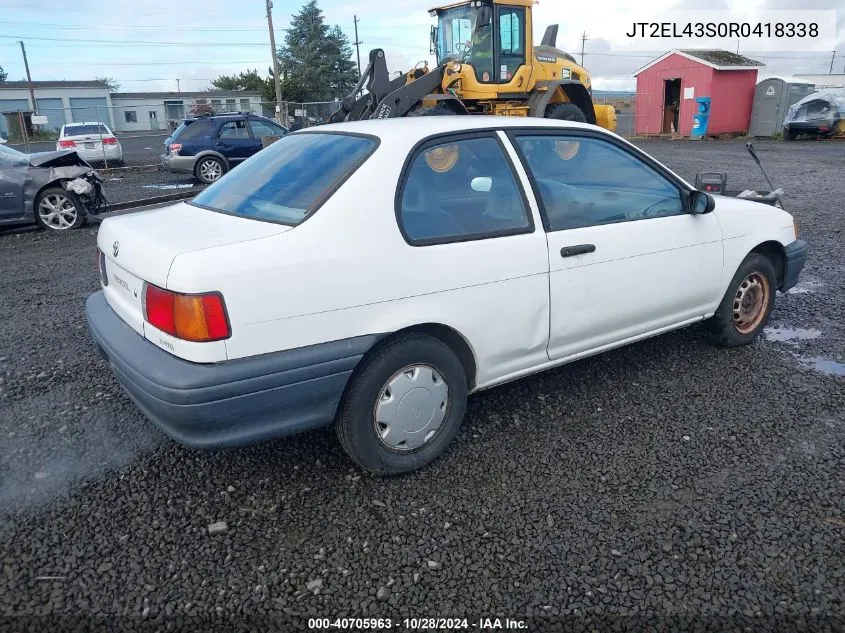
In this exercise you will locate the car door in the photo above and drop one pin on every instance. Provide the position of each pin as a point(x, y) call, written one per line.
point(13, 171)
point(626, 257)
point(234, 141)
point(475, 253)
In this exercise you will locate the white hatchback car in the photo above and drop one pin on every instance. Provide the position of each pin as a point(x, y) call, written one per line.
point(371, 275)
point(94, 142)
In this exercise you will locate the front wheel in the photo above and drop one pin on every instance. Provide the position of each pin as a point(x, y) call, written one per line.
point(404, 405)
point(747, 304)
point(59, 210)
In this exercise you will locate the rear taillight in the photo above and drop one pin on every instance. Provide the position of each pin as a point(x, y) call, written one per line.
point(196, 317)
point(175, 148)
point(109, 140)
point(101, 267)
point(67, 144)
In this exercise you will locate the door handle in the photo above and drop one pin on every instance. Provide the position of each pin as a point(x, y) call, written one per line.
point(581, 249)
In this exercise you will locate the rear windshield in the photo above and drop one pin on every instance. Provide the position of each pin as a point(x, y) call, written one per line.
point(191, 129)
point(287, 180)
point(79, 130)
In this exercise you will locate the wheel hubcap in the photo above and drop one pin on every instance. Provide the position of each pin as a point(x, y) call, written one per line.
point(211, 170)
point(57, 212)
point(411, 408)
point(750, 302)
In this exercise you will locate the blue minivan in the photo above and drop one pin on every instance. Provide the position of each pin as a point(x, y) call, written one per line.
point(208, 146)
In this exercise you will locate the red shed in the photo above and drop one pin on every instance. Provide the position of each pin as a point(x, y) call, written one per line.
point(668, 86)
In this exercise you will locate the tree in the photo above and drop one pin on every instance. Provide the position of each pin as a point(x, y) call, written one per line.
point(3, 75)
point(112, 84)
point(316, 60)
point(250, 80)
point(200, 108)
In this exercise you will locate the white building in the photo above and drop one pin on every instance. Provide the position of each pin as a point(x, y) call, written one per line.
point(72, 101)
point(60, 101)
point(137, 111)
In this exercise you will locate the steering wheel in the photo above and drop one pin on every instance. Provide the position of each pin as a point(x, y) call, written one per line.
point(461, 48)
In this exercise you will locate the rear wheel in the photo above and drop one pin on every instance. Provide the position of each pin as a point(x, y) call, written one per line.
point(565, 112)
point(209, 169)
point(789, 135)
point(747, 304)
point(59, 210)
point(404, 405)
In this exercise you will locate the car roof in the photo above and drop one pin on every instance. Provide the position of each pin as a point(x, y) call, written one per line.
point(75, 123)
point(399, 135)
point(422, 127)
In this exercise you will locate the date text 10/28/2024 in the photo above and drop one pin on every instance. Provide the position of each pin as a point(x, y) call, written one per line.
point(375, 624)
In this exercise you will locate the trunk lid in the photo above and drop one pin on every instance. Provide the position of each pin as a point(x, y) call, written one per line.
point(141, 247)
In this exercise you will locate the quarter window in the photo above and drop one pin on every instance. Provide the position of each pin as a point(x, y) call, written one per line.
point(459, 190)
point(586, 182)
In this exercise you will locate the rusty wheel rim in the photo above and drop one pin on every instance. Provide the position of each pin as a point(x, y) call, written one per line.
point(750, 302)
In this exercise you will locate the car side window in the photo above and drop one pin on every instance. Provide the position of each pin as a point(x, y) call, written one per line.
point(234, 129)
point(587, 182)
point(460, 190)
point(261, 129)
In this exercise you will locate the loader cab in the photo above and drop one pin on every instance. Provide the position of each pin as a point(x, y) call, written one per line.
point(490, 37)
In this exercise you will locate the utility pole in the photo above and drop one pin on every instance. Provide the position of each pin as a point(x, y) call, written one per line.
point(178, 88)
point(276, 77)
point(358, 46)
point(832, 57)
point(737, 45)
point(358, 50)
point(28, 78)
point(584, 38)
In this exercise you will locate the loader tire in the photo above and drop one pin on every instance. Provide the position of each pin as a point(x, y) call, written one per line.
point(441, 109)
point(565, 112)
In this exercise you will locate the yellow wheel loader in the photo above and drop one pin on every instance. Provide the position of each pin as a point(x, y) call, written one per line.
point(486, 64)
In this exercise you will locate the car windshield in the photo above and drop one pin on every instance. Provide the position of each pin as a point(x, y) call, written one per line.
point(287, 180)
point(80, 130)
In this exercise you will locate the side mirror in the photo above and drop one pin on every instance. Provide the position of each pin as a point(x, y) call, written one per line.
point(701, 202)
point(485, 16)
point(433, 48)
point(482, 184)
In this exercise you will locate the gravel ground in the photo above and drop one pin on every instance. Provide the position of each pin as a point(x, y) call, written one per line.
point(668, 482)
point(138, 185)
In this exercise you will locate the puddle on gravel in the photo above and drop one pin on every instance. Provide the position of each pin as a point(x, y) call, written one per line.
point(791, 335)
point(824, 365)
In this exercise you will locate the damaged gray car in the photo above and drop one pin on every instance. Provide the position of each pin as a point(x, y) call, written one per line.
point(57, 190)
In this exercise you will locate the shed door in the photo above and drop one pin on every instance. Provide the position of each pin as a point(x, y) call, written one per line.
point(768, 113)
point(89, 110)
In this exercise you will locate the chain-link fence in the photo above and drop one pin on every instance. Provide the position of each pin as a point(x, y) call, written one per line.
point(136, 117)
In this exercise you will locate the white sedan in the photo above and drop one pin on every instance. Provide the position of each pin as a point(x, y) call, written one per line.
point(94, 142)
point(371, 275)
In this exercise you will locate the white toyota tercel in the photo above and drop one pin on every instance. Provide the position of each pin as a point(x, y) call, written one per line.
point(371, 275)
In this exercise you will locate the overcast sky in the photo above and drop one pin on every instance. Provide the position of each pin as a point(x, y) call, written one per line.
point(147, 46)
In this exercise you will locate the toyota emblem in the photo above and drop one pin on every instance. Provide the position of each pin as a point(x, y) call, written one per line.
point(115, 248)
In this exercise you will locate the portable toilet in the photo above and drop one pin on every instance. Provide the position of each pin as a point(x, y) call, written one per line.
point(772, 98)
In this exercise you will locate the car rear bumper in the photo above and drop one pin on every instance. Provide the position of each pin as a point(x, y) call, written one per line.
point(796, 256)
point(109, 152)
point(231, 403)
point(178, 164)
